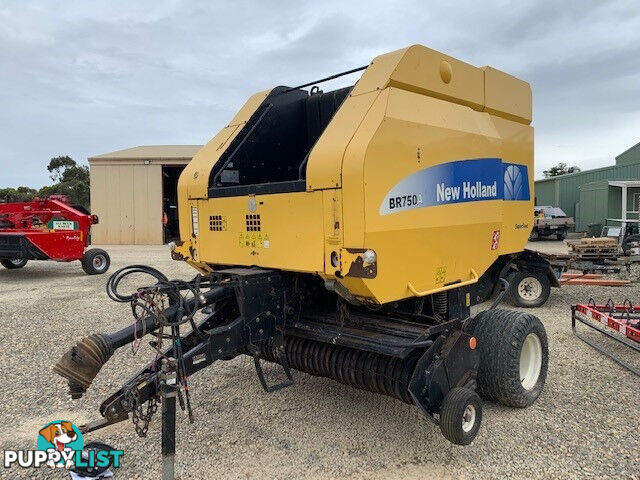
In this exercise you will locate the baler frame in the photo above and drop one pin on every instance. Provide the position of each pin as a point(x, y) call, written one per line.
point(409, 356)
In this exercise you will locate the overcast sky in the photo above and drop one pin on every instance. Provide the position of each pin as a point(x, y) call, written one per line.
point(83, 78)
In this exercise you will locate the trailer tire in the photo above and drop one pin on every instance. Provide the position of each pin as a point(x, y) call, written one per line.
point(514, 357)
point(13, 263)
point(95, 261)
point(528, 289)
point(460, 415)
point(561, 236)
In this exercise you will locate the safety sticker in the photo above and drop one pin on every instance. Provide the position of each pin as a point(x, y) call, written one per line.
point(441, 275)
point(495, 239)
point(253, 240)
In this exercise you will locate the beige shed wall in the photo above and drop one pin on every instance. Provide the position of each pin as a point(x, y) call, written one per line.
point(128, 200)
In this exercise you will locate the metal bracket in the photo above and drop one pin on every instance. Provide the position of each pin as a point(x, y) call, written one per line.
point(260, 372)
point(505, 289)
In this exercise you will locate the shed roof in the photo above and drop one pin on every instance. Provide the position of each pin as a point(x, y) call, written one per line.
point(633, 147)
point(575, 174)
point(152, 152)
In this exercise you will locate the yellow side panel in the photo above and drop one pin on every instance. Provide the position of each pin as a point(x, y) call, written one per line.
point(423, 70)
point(194, 180)
point(325, 160)
point(517, 147)
point(507, 96)
point(431, 247)
point(353, 171)
point(290, 235)
point(333, 227)
point(249, 107)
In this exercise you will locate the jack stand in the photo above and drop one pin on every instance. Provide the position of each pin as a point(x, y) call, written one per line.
point(168, 391)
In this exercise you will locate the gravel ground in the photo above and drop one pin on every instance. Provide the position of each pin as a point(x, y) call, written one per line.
point(584, 425)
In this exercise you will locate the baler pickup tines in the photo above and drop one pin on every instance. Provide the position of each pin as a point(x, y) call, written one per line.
point(251, 316)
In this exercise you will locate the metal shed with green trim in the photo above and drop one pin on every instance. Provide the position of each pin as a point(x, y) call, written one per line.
point(594, 195)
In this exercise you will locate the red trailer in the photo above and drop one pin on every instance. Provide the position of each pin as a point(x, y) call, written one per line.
point(48, 229)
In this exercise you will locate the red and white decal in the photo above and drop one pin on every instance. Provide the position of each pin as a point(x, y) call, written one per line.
point(495, 239)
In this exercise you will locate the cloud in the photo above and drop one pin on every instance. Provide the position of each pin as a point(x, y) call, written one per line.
point(83, 78)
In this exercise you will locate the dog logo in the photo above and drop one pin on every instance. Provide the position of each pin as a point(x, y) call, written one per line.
point(60, 445)
point(64, 437)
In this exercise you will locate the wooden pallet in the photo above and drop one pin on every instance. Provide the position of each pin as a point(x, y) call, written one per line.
point(600, 241)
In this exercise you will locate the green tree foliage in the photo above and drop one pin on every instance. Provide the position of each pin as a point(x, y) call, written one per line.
point(70, 179)
point(58, 165)
point(20, 194)
point(560, 169)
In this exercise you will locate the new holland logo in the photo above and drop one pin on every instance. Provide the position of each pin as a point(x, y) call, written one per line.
point(513, 183)
point(476, 180)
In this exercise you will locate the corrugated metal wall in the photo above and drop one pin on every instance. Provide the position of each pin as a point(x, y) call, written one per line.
point(568, 188)
point(631, 155)
point(128, 200)
point(594, 198)
point(545, 192)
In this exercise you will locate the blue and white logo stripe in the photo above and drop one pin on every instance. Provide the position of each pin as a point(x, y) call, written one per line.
point(461, 181)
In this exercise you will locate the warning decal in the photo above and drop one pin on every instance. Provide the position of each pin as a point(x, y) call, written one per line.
point(253, 240)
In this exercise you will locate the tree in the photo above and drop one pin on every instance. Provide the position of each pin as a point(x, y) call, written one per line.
point(58, 165)
point(560, 169)
point(20, 194)
point(70, 179)
point(74, 183)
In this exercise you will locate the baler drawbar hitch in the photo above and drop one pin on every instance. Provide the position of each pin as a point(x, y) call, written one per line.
point(265, 314)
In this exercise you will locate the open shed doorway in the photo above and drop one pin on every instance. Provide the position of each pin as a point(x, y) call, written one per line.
point(170, 176)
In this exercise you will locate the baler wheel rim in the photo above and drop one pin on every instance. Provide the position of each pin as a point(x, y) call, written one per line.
point(530, 361)
point(468, 418)
point(460, 415)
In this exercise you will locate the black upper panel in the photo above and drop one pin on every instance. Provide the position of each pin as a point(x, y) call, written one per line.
point(273, 146)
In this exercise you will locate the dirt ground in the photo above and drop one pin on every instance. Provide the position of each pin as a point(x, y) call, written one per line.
point(585, 424)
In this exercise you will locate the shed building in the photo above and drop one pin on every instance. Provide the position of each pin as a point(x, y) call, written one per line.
point(134, 193)
point(592, 196)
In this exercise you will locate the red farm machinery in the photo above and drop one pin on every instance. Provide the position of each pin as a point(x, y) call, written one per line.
point(618, 322)
point(48, 229)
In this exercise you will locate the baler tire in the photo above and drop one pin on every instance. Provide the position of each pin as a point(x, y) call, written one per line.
point(90, 264)
point(13, 263)
point(460, 415)
point(501, 337)
point(516, 298)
